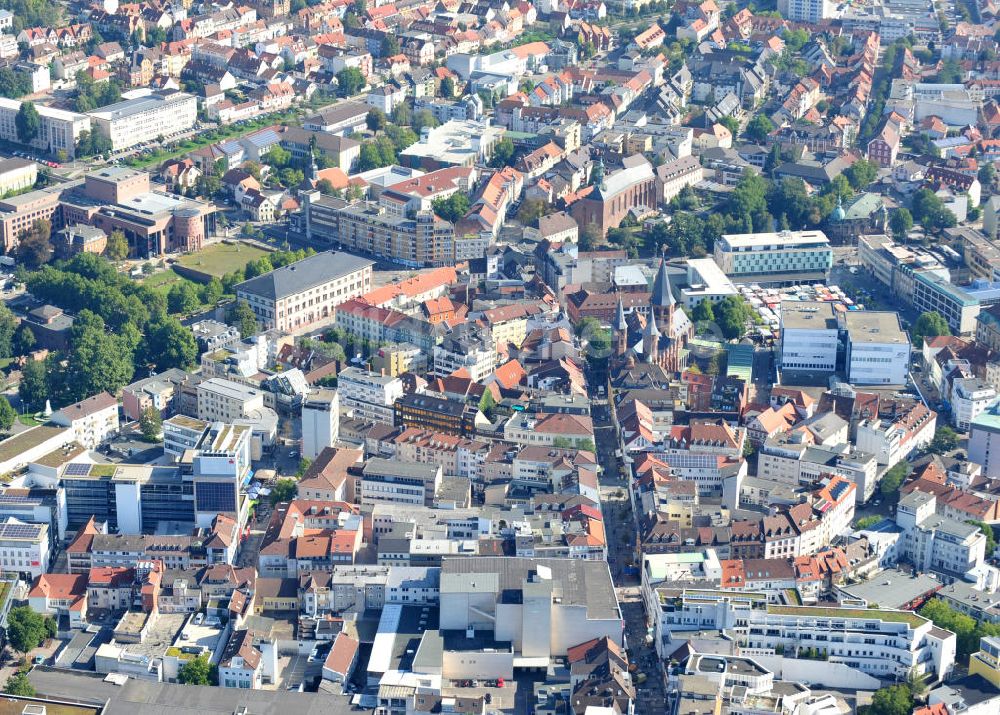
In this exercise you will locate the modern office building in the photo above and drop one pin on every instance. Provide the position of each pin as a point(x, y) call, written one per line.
point(305, 293)
point(320, 422)
point(420, 239)
point(878, 350)
point(59, 129)
point(145, 117)
point(19, 213)
point(386, 481)
point(775, 258)
point(932, 293)
point(154, 222)
point(809, 336)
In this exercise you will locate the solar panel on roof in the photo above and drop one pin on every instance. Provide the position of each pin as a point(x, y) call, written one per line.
point(19, 531)
point(77, 469)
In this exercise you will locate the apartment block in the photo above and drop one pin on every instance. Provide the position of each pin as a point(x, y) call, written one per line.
point(320, 422)
point(420, 239)
point(92, 420)
point(227, 401)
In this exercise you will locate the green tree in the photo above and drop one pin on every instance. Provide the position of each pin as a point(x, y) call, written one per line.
point(242, 316)
point(18, 684)
point(33, 388)
point(117, 248)
point(277, 157)
point(967, 630)
point(590, 237)
point(424, 118)
point(151, 424)
point(900, 223)
point(530, 211)
point(861, 173)
point(198, 671)
point(487, 403)
point(453, 207)
point(350, 81)
point(284, 490)
point(8, 328)
point(503, 152)
point(7, 414)
point(447, 88)
point(928, 325)
point(893, 479)
point(27, 122)
point(894, 700)
point(987, 175)
point(795, 40)
point(930, 212)
point(26, 629)
point(867, 521)
point(731, 123)
point(211, 292)
point(33, 246)
point(703, 312)
point(758, 128)
point(183, 298)
point(402, 115)
point(169, 344)
point(390, 45)
point(945, 440)
point(24, 340)
point(375, 119)
point(732, 314)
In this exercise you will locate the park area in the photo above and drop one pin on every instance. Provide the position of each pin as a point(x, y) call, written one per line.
point(218, 259)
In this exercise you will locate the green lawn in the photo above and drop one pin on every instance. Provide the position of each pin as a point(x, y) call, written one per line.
point(161, 281)
point(28, 420)
point(221, 258)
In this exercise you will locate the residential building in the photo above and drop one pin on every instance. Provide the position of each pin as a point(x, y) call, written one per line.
point(775, 258)
point(92, 420)
point(970, 397)
point(937, 543)
point(439, 414)
point(472, 350)
point(320, 421)
point(984, 441)
point(368, 396)
point(894, 439)
point(304, 294)
point(25, 548)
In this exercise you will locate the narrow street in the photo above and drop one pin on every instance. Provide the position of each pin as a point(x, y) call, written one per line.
point(621, 535)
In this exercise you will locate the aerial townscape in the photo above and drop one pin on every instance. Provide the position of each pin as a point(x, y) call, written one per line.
point(499, 357)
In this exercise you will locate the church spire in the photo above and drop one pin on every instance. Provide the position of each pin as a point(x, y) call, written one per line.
point(620, 323)
point(662, 296)
point(651, 339)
